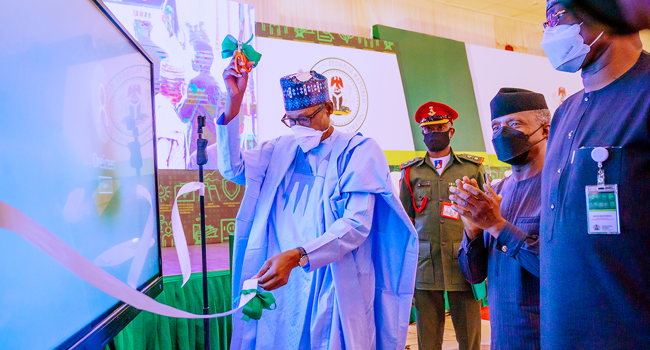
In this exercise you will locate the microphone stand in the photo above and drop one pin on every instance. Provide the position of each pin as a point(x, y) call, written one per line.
point(202, 159)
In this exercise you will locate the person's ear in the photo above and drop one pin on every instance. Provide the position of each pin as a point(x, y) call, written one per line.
point(451, 132)
point(330, 107)
point(545, 130)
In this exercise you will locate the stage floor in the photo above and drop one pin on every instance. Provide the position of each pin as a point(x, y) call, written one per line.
point(449, 338)
point(218, 257)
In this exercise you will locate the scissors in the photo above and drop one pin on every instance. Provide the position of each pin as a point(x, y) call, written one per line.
point(240, 59)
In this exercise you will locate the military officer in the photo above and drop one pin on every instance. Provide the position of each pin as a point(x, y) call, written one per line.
point(425, 195)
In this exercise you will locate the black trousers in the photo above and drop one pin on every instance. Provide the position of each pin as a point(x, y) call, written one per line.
point(465, 315)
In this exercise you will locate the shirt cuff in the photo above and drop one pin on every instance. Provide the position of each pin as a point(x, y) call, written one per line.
point(473, 246)
point(222, 116)
point(229, 132)
point(306, 267)
point(315, 256)
point(219, 120)
point(510, 239)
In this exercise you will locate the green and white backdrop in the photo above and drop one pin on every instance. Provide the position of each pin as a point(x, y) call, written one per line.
point(385, 79)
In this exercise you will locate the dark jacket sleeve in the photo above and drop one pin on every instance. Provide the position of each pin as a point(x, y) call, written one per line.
point(473, 257)
point(521, 246)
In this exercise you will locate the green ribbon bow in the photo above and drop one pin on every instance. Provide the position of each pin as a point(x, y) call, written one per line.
point(230, 45)
point(253, 308)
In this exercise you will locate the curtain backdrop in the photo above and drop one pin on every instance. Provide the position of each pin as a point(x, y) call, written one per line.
point(356, 17)
point(154, 332)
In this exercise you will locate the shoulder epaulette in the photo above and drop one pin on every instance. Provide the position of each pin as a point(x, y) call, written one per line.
point(410, 162)
point(471, 158)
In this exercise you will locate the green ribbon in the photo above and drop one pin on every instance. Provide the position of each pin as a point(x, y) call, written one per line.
point(253, 308)
point(230, 45)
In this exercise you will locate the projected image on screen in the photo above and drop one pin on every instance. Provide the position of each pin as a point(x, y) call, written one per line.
point(77, 157)
point(184, 39)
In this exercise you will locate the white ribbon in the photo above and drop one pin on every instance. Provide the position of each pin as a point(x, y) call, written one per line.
point(245, 298)
point(136, 248)
point(120, 253)
point(143, 246)
point(179, 234)
point(14, 220)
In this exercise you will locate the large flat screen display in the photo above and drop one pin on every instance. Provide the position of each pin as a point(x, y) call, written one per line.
point(77, 157)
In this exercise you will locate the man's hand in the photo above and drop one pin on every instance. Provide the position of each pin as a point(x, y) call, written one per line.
point(275, 271)
point(483, 210)
point(471, 230)
point(235, 88)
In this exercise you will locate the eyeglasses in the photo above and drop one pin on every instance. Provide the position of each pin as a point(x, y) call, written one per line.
point(553, 19)
point(304, 121)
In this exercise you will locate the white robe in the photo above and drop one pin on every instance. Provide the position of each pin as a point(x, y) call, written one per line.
point(362, 265)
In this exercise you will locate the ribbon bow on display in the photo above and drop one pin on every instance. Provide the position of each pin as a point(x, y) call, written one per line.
point(253, 308)
point(243, 53)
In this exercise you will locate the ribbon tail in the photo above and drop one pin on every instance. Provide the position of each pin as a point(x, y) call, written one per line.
point(253, 309)
point(179, 234)
point(143, 246)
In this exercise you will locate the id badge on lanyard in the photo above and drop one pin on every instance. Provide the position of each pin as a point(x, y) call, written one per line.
point(602, 200)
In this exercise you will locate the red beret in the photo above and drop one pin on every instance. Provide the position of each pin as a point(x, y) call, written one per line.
point(435, 113)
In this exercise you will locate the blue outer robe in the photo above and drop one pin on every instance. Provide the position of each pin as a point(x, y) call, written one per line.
point(357, 164)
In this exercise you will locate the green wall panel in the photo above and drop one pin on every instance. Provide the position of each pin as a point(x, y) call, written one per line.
point(436, 69)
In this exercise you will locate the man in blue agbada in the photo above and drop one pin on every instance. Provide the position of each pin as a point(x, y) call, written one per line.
point(320, 200)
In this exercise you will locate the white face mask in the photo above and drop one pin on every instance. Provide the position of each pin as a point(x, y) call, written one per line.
point(565, 47)
point(307, 138)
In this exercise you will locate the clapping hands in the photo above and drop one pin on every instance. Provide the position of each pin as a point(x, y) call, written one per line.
point(479, 210)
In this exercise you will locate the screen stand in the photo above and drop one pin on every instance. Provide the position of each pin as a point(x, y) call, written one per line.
point(202, 159)
point(135, 160)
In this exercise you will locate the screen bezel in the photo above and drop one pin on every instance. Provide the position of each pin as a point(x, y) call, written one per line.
point(104, 328)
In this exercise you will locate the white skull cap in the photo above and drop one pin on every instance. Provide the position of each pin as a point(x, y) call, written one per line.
point(303, 76)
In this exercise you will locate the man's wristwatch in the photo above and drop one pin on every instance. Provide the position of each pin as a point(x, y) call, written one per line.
point(304, 259)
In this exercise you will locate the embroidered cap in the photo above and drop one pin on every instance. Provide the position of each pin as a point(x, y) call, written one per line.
point(304, 90)
point(550, 3)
